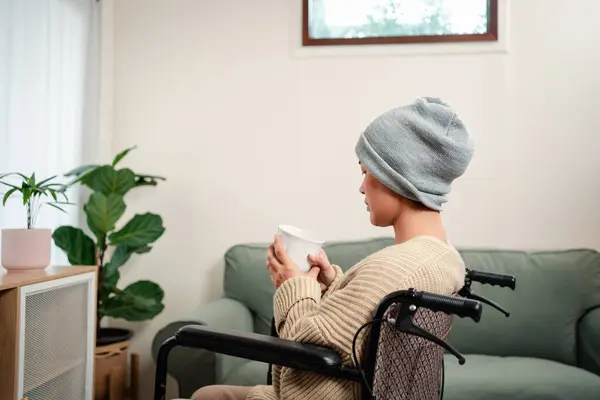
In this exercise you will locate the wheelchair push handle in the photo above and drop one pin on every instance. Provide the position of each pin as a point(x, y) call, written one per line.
point(413, 299)
point(489, 278)
point(464, 308)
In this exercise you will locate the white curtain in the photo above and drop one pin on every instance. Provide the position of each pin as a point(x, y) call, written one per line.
point(48, 97)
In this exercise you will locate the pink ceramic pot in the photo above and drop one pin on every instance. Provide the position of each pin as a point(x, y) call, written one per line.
point(26, 249)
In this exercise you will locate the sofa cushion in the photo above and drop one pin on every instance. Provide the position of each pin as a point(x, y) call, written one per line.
point(554, 289)
point(247, 279)
point(483, 378)
point(515, 378)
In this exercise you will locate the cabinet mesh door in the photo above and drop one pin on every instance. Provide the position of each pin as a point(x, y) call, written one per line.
point(55, 345)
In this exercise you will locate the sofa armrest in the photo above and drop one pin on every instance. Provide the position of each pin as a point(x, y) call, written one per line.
point(195, 368)
point(589, 341)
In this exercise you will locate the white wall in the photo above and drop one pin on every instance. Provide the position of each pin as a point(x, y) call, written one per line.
point(250, 135)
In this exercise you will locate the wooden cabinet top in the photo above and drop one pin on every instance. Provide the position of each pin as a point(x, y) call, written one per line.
point(12, 279)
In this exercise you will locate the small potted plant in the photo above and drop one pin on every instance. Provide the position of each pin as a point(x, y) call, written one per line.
point(30, 248)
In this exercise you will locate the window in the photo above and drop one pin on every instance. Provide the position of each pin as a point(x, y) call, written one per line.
point(345, 22)
point(48, 60)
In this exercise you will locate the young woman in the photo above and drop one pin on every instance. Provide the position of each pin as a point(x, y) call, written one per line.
point(409, 157)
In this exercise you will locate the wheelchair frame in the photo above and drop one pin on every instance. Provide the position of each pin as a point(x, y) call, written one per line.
point(325, 361)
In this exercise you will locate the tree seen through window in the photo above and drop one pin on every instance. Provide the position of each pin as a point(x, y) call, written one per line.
point(397, 21)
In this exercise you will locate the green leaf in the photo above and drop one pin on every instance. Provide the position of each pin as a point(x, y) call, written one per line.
point(122, 154)
point(103, 212)
point(10, 185)
point(143, 249)
point(107, 180)
point(147, 180)
point(146, 289)
point(26, 190)
point(139, 301)
point(25, 178)
point(109, 287)
point(110, 277)
point(140, 231)
point(119, 257)
point(81, 170)
point(83, 174)
point(123, 253)
point(57, 207)
point(64, 195)
point(46, 180)
point(76, 244)
point(7, 195)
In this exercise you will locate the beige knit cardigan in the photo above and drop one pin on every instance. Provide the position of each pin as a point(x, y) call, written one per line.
point(302, 313)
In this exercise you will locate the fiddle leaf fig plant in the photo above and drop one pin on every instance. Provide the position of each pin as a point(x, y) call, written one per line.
point(110, 245)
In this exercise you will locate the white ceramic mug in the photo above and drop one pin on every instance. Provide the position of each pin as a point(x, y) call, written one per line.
point(298, 244)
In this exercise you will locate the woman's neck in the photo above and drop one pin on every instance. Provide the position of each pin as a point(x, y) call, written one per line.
point(412, 223)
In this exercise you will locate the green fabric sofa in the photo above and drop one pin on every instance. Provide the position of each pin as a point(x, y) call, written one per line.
point(549, 347)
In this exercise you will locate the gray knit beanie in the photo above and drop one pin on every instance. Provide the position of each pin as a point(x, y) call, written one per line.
point(417, 150)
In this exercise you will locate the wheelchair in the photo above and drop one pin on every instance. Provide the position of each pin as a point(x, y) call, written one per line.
point(403, 354)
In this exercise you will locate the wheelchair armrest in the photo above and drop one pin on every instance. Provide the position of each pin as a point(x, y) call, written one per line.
point(267, 349)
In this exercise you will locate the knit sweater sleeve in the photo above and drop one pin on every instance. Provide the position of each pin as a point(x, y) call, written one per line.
point(301, 314)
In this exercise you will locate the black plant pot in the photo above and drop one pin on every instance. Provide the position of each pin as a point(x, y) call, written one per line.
point(106, 336)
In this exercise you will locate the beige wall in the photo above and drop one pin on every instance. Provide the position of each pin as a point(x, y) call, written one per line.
point(252, 132)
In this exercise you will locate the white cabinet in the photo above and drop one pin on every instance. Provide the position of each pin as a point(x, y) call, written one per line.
point(47, 334)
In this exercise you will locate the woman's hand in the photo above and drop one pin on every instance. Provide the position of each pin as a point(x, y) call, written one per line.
point(326, 272)
point(281, 267)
